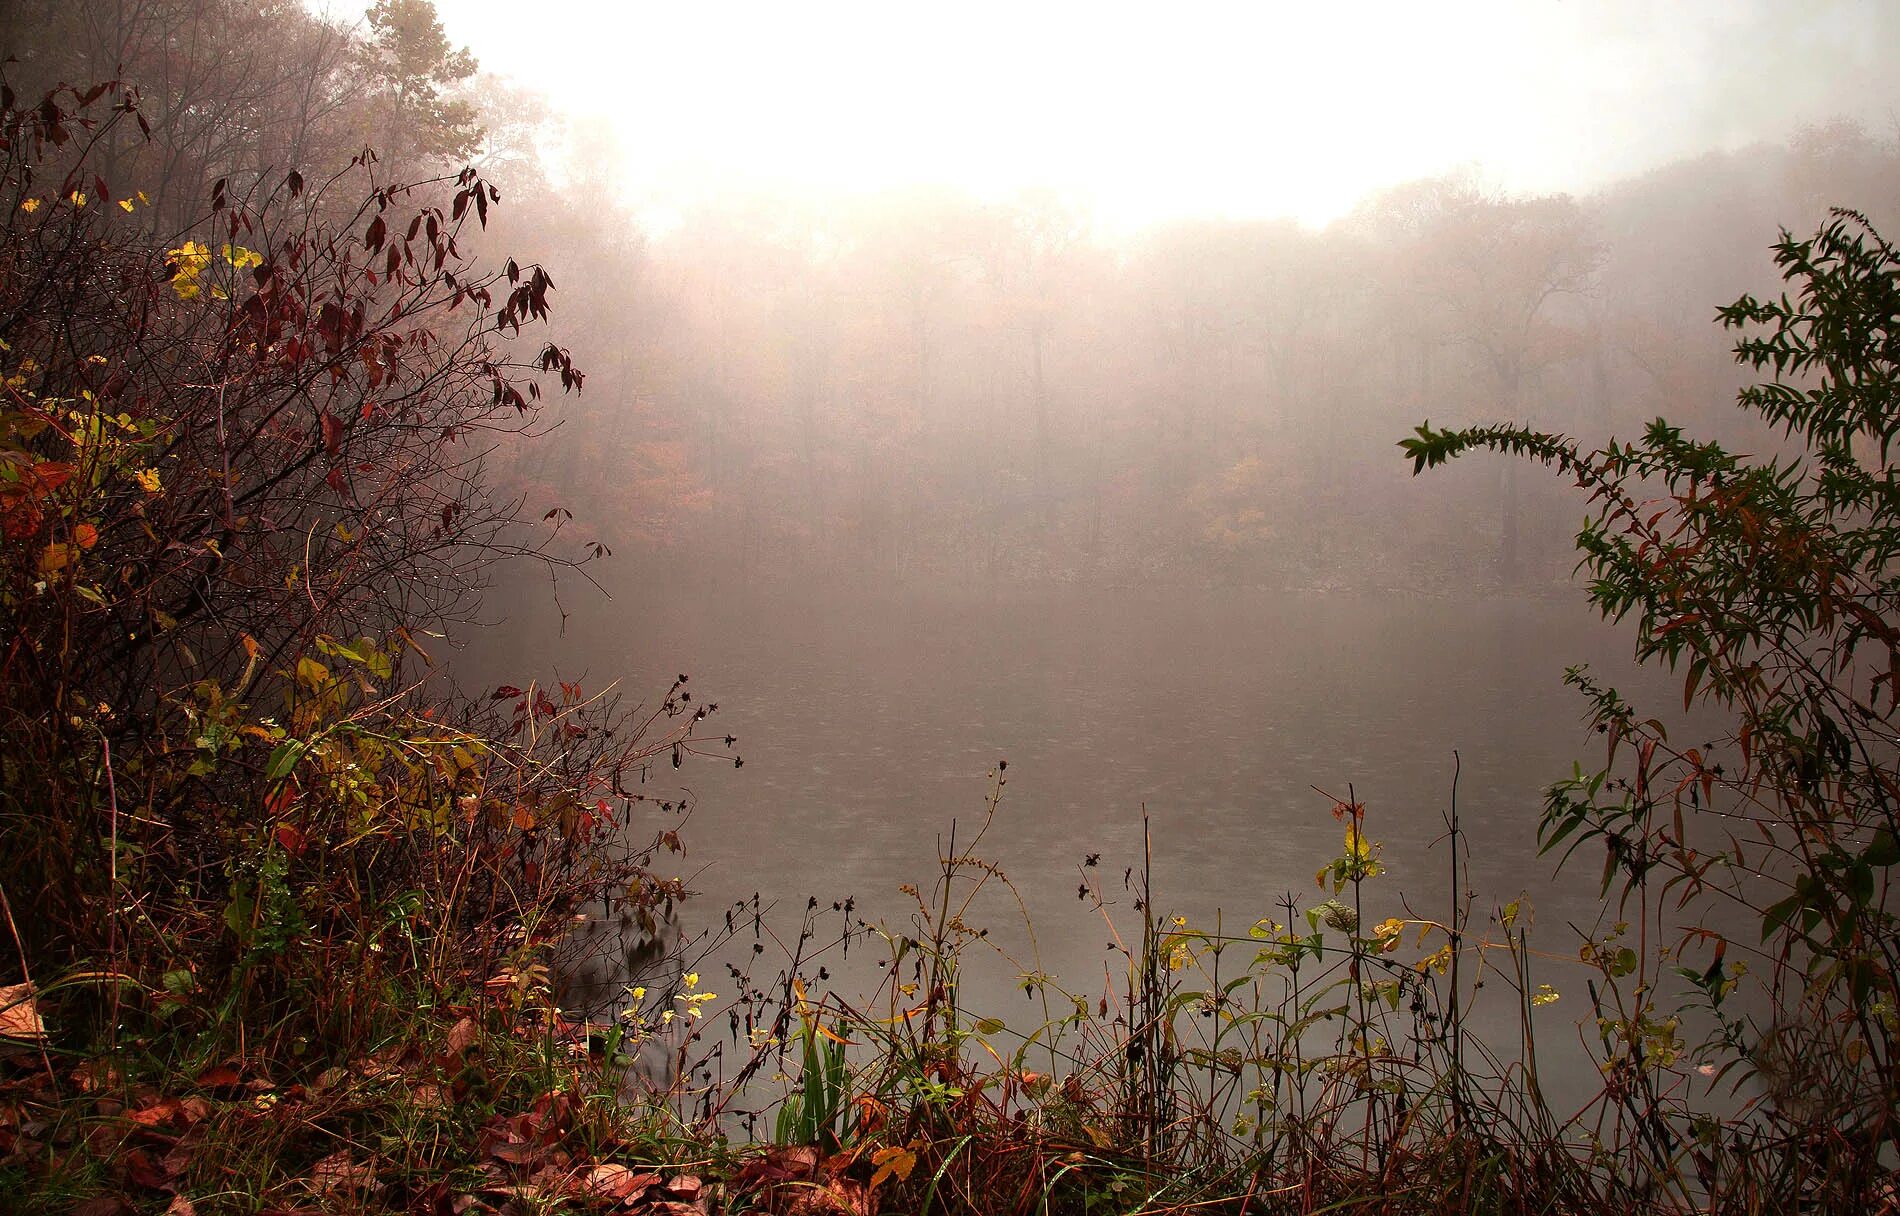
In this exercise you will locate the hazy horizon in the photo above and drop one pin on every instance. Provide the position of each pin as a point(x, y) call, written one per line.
point(1209, 111)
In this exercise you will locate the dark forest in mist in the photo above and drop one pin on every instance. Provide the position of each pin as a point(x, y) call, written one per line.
point(923, 386)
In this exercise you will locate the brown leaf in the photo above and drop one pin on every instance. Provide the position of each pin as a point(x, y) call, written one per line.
point(512, 1150)
point(20, 1013)
point(181, 1206)
point(462, 1036)
point(162, 1110)
point(684, 1187)
point(95, 1075)
point(839, 1197)
point(337, 1172)
point(220, 1076)
point(102, 1205)
point(429, 1096)
point(141, 1170)
point(616, 1183)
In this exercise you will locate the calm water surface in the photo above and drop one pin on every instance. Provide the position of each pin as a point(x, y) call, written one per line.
point(869, 727)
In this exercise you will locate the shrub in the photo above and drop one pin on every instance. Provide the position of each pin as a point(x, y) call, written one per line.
point(242, 487)
point(1768, 584)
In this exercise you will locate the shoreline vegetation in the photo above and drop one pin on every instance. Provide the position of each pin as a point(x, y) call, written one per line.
point(286, 923)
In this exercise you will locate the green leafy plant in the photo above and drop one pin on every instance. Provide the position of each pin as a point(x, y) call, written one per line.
point(810, 1113)
point(1769, 585)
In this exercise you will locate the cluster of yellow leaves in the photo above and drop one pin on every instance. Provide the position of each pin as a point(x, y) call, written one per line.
point(1387, 933)
point(190, 261)
point(694, 1000)
point(77, 198)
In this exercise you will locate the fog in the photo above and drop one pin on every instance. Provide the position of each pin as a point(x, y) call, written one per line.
point(1004, 386)
point(1202, 110)
point(985, 382)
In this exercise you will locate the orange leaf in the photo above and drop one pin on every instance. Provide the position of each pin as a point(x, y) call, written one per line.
point(892, 1163)
point(220, 1076)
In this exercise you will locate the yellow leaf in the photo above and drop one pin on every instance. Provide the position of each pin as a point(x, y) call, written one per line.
point(125, 205)
point(55, 558)
point(1356, 846)
point(892, 1162)
point(147, 479)
point(311, 673)
point(78, 198)
point(30, 205)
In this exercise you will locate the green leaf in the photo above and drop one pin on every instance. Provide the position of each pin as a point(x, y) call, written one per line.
point(283, 759)
point(1884, 851)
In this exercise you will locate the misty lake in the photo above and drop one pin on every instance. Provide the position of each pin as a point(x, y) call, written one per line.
point(868, 726)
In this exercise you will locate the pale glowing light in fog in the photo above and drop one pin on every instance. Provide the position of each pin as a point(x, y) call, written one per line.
point(1157, 110)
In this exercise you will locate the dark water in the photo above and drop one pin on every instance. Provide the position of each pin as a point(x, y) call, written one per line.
point(868, 726)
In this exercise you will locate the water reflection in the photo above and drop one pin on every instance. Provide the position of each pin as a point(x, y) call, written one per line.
point(868, 728)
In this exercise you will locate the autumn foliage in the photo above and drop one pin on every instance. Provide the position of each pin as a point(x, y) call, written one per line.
point(242, 488)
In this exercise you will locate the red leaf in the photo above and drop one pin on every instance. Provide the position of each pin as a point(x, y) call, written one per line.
point(220, 1076)
point(332, 432)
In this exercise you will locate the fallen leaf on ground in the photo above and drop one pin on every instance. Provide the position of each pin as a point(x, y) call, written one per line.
point(839, 1197)
point(616, 1183)
point(462, 1036)
point(684, 1187)
point(220, 1076)
point(20, 1013)
point(337, 1172)
point(429, 1096)
point(96, 1075)
point(163, 1110)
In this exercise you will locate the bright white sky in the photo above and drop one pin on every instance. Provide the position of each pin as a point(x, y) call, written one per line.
point(1164, 109)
